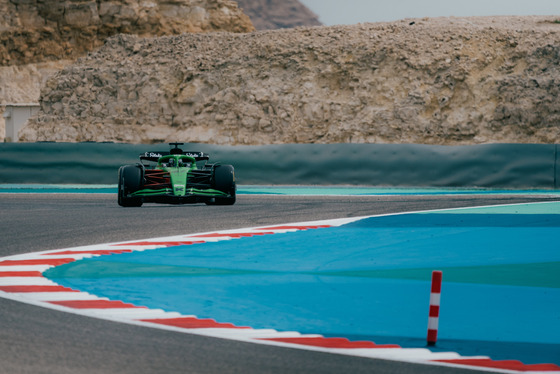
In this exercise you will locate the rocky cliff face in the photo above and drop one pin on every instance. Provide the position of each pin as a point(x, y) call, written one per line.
point(38, 37)
point(35, 31)
point(431, 81)
point(278, 14)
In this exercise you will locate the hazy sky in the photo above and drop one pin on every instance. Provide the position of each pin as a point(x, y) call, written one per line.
point(334, 12)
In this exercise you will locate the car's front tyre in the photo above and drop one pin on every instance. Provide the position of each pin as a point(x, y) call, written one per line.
point(224, 180)
point(130, 180)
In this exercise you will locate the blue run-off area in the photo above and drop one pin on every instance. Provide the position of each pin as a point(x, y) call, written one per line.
point(367, 280)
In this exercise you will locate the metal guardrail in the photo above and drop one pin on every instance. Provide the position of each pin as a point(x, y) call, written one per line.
point(510, 166)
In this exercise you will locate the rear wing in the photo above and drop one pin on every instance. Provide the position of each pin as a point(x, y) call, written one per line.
point(154, 156)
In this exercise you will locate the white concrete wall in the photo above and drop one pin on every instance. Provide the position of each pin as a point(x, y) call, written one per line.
point(15, 117)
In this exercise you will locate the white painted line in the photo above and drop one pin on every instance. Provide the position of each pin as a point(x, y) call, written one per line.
point(26, 281)
point(56, 296)
point(39, 268)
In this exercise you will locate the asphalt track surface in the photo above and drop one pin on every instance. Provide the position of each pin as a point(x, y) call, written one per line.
point(38, 340)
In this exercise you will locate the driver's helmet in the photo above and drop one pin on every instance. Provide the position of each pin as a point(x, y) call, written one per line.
point(171, 162)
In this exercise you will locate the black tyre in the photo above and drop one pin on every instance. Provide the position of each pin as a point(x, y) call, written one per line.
point(130, 180)
point(224, 180)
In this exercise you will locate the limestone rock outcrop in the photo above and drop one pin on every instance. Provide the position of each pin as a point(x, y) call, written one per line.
point(430, 81)
point(36, 31)
point(38, 37)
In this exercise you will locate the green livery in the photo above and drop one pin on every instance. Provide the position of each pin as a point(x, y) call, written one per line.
point(176, 177)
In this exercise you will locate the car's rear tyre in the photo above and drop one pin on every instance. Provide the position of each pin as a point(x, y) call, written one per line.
point(224, 180)
point(130, 180)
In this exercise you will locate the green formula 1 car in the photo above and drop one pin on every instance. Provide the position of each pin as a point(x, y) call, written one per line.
point(176, 177)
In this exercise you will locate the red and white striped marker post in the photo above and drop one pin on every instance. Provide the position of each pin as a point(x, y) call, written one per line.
point(435, 297)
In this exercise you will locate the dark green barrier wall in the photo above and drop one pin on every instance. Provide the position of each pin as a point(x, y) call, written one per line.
point(404, 165)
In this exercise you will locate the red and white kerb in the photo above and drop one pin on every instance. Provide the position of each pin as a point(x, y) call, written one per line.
point(435, 297)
